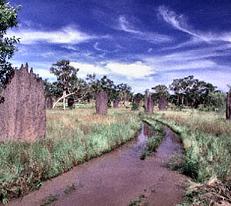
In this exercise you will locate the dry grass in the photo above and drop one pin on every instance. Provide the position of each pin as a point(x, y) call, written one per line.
point(214, 192)
point(208, 122)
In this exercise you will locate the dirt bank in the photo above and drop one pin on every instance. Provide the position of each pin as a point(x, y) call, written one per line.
point(116, 179)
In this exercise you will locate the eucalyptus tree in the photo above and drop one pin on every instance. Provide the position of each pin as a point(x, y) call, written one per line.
point(124, 91)
point(68, 84)
point(102, 90)
point(8, 19)
point(192, 92)
point(52, 89)
point(136, 99)
point(103, 84)
point(160, 91)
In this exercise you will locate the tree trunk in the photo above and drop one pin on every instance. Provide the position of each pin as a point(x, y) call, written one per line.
point(64, 99)
point(182, 100)
point(61, 98)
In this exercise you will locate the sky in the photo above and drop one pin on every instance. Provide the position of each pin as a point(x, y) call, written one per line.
point(139, 42)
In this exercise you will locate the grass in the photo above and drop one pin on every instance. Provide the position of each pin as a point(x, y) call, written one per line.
point(207, 122)
point(154, 141)
point(70, 189)
point(206, 139)
point(49, 200)
point(73, 137)
point(138, 201)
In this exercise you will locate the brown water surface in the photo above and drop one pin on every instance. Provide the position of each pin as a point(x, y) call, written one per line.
point(116, 178)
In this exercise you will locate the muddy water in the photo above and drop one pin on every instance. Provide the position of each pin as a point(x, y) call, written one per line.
point(116, 178)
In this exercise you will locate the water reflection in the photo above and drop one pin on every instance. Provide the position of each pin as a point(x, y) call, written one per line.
point(146, 132)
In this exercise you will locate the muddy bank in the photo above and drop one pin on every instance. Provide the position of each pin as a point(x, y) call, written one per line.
point(116, 178)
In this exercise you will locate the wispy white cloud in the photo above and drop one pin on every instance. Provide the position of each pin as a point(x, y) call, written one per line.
point(189, 43)
point(163, 64)
point(134, 70)
point(180, 23)
point(97, 47)
point(87, 68)
point(195, 59)
point(71, 47)
point(44, 73)
point(126, 26)
point(66, 35)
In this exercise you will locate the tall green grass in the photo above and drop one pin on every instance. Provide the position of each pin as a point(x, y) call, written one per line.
point(206, 155)
point(206, 139)
point(72, 138)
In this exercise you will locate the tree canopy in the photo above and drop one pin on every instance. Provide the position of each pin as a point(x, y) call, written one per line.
point(8, 19)
point(192, 92)
point(160, 91)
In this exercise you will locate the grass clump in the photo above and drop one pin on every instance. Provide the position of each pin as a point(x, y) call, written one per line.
point(213, 192)
point(151, 146)
point(154, 141)
point(49, 200)
point(138, 201)
point(73, 137)
point(206, 155)
point(207, 143)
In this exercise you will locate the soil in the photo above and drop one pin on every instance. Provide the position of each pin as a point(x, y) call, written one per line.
point(117, 179)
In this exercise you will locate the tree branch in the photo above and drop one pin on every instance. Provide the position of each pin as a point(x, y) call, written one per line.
point(61, 98)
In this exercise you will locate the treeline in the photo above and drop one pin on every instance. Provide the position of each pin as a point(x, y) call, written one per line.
point(184, 92)
point(70, 89)
point(191, 92)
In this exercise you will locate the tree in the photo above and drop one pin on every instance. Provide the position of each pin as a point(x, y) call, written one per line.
point(52, 89)
point(160, 91)
point(120, 92)
point(182, 88)
point(215, 101)
point(8, 19)
point(192, 92)
point(124, 92)
point(66, 79)
point(137, 98)
point(104, 84)
point(102, 90)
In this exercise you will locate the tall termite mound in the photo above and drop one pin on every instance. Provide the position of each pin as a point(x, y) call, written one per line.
point(163, 103)
point(148, 102)
point(101, 103)
point(22, 113)
point(228, 106)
